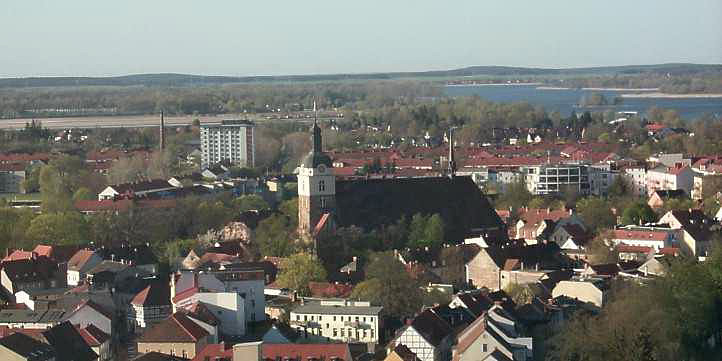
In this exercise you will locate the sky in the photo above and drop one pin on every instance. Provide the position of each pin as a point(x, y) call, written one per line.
point(288, 37)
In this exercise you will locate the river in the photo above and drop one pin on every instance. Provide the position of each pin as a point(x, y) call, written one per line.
point(565, 101)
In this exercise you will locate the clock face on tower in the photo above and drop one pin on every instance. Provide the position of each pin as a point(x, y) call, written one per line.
point(321, 168)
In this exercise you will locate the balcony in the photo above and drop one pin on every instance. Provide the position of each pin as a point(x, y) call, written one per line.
point(305, 324)
point(357, 324)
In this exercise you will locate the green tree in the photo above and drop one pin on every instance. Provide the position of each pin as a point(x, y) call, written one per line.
point(637, 213)
point(31, 183)
point(55, 190)
point(62, 228)
point(389, 284)
point(249, 202)
point(516, 196)
point(596, 213)
point(13, 227)
point(520, 294)
point(434, 230)
point(417, 230)
point(300, 269)
point(276, 236)
point(83, 194)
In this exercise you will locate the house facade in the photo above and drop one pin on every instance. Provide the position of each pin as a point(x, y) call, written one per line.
point(176, 336)
point(670, 178)
point(78, 265)
point(338, 320)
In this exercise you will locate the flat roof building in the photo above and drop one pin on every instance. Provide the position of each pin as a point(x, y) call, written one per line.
point(230, 140)
point(341, 320)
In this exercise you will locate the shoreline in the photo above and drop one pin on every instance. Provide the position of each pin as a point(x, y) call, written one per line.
point(495, 84)
point(600, 89)
point(672, 96)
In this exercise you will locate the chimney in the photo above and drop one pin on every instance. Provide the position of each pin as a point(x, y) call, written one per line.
point(162, 131)
point(248, 351)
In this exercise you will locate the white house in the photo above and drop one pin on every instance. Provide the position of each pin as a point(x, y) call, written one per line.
point(428, 336)
point(339, 320)
point(228, 307)
point(135, 189)
point(81, 262)
point(90, 313)
point(653, 237)
point(588, 290)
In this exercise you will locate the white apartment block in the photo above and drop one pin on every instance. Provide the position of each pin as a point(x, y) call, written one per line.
point(340, 320)
point(678, 177)
point(231, 140)
point(636, 177)
point(556, 178)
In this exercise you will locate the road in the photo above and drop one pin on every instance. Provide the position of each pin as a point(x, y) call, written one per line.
point(134, 121)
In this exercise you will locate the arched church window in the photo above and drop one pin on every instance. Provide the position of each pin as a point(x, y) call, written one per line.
point(321, 186)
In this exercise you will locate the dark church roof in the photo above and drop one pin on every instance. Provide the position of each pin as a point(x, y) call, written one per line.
point(370, 203)
point(314, 159)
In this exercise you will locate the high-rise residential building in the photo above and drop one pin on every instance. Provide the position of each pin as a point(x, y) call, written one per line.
point(231, 140)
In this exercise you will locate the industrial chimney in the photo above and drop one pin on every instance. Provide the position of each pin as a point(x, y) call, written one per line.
point(162, 131)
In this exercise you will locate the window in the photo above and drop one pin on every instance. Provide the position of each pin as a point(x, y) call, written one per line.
point(323, 202)
point(483, 348)
point(321, 186)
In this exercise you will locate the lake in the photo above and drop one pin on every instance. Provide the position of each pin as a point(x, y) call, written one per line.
point(566, 100)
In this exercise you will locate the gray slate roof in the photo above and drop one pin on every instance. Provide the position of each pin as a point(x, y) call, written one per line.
point(317, 308)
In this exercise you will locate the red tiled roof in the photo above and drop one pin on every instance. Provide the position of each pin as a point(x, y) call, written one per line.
point(344, 171)
point(212, 257)
point(12, 167)
point(156, 294)
point(34, 333)
point(655, 127)
point(23, 157)
point(19, 254)
point(321, 224)
point(669, 251)
point(633, 249)
point(640, 235)
point(536, 215)
point(92, 335)
point(215, 351)
point(43, 250)
point(176, 328)
point(79, 259)
point(330, 290)
point(306, 351)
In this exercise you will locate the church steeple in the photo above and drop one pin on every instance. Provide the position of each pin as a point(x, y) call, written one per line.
point(452, 162)
point(316, 185)
point(316, 132)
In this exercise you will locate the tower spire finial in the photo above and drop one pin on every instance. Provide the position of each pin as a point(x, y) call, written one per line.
point(452, 161)
point(315, 113)
point(316, 131)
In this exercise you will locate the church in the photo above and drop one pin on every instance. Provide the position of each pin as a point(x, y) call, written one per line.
point(325, 202)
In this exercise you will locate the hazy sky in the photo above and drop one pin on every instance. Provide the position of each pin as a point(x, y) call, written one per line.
point(273, 37)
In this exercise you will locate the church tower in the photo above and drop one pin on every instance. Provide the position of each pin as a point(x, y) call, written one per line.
point(316, 184)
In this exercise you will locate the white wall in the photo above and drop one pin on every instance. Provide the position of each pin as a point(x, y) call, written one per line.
point(228, 307)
